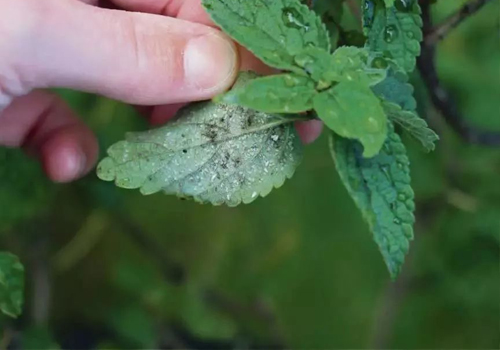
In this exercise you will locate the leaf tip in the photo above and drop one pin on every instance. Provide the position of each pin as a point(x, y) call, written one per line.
point(105, 169)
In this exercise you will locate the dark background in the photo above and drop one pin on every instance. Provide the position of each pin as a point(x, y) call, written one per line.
point(109, 268)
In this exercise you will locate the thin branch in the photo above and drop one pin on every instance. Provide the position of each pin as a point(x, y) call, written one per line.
point(440, 97)
point(175, 273)
point(172, 271)
point(440, 31)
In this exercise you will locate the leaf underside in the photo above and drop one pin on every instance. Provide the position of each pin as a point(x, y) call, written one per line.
point(380, 187)
point(214, 153)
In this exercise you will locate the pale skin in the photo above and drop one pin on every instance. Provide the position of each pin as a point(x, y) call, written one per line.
point(154, 54)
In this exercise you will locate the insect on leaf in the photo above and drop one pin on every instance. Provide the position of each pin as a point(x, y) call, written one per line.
point(214, 153)
point(380, 187)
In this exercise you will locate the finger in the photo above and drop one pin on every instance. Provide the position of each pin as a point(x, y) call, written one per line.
point(191, 10)
point(44, 125)
point(135, 57)
point(309, 131)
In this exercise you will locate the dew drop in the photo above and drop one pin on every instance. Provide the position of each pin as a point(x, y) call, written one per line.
point(404, 5)
point(391, 33)
point(379, 62)
point(373, 125)
point(368, 13)
point(293, 19)
point(407, 231)
point(290, 81)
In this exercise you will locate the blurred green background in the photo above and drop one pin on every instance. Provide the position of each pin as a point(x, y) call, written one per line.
point(296, 269)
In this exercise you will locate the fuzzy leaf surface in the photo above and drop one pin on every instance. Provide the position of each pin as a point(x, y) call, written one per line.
point(380, 187)
point(413, 124)
point(354, 112)
point(284, 93)
point(274, 30)
point(396, 89)
point(394, 31)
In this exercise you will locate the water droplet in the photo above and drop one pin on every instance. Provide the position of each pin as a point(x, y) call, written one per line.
point(303, 60)
point(293, 19)
point(379, 62)
point(373, 125)
point(397, 221)
point(407, 230)
point(368, 13)
point(404, 5)
point(393, 248)
point(391, 33)
point(385, 170)
point(290, 81)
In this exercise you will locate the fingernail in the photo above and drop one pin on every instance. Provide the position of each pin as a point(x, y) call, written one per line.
point(210, 63)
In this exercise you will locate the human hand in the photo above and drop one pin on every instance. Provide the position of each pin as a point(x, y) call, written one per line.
point(161, 53)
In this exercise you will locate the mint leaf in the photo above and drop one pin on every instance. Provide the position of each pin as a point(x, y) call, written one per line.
point(411, 122)
point(285, 93)
point(395, 32)
point(380, 187)
point(396, 89)
point(331, 12)
point(11, 285)
point(214, 153)
point(390, 3)
point(275, 31)
point(354, 64)
point(347, 63)
point(353, 111)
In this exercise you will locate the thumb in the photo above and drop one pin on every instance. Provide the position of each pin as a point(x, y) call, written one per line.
point(134, 57)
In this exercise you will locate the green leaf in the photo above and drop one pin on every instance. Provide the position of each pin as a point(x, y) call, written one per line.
point(346, 64)
point(396, 89)
point(275, 31)
point(285, 93)
point(355, 64)
point(411, 122)
point(380, 187)
point(354, 112)
point(214, 153)
point(331, 12)
point(396, 31)
point(11, 285)
point(389, 3)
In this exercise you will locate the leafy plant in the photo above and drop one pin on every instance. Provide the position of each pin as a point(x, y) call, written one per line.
point(11, 284)
point(241, 145)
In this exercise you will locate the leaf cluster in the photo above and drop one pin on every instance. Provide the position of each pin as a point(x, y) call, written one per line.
point(243, 144)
